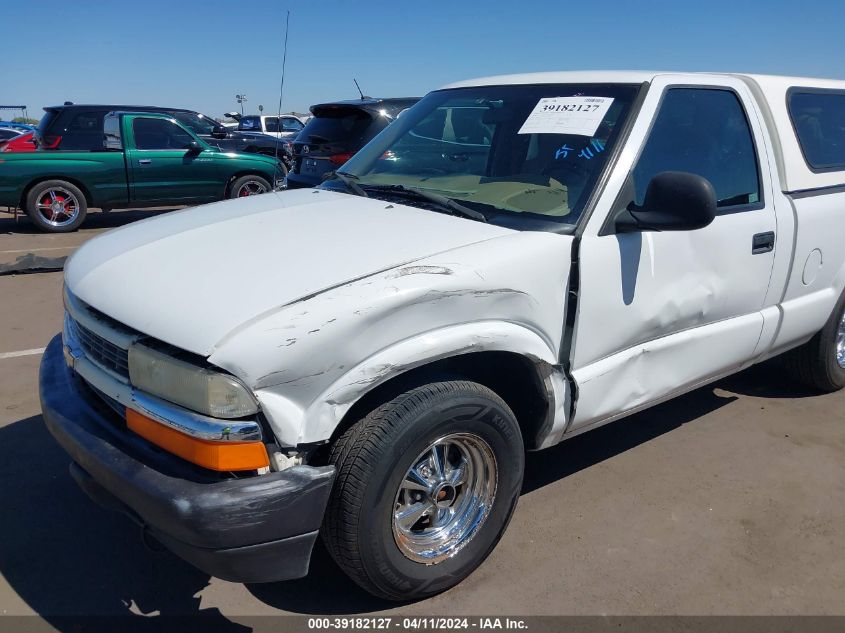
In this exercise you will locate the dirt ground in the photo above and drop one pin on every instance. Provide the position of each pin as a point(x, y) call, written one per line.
point(729, 500)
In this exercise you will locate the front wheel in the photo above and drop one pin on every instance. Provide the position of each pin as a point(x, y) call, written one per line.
point(56, 206)
point(426, 485)
point(249, 186)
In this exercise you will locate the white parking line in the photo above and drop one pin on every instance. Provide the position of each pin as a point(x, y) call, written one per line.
point(23, 352)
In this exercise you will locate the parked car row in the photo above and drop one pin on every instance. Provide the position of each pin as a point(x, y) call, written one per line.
point(115, 159)
point(303, 155)
point(79, 127)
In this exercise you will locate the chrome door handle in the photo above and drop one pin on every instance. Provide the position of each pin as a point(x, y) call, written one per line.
point(763, 243)
point(145, 161)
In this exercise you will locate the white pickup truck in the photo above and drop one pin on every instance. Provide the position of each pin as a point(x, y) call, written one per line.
point(516, 260)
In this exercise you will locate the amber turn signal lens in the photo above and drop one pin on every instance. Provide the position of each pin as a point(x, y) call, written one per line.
point(222, 456)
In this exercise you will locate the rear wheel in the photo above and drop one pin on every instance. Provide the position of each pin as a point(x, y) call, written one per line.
point(56, 206)
point(820, 363)
point(426, 485)
point(249, 186)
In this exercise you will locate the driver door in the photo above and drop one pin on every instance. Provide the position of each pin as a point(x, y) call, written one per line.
point(662, 312)
point(164, 169)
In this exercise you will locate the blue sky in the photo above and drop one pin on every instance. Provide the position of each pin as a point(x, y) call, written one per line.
point(199, 54)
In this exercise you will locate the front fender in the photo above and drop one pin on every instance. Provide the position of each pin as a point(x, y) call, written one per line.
point(311, 360)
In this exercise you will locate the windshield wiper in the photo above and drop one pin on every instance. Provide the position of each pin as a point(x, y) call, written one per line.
point(441, 201)
point(349, 181)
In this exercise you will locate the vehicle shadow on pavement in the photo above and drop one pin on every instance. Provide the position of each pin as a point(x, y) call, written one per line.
point(68, 559)
point(95, 220)
point(64, 556)
point(766, 380)
point(769, 379)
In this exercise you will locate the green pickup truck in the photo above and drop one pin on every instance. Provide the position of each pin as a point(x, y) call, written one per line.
point(147, 160)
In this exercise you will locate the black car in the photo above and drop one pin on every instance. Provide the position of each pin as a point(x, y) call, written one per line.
point(79, 127)
point(335, 132)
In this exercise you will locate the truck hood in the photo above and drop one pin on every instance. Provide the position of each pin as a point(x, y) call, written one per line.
point(190, 277)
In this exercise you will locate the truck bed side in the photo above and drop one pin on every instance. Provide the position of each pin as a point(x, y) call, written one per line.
point(100, 175)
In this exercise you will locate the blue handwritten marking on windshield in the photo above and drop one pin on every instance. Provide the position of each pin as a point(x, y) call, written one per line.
point(563, 151)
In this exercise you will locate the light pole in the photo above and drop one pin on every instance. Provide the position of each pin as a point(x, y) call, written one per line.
point(241, 99)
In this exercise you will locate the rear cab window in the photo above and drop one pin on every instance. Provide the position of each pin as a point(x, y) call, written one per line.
point(111, 132)
point(818, 117)
point(453, 137)
point(250, 124)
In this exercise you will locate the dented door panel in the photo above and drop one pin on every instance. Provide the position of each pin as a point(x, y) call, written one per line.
point(660, 312)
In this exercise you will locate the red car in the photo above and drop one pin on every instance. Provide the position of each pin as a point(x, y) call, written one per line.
point(22, 143)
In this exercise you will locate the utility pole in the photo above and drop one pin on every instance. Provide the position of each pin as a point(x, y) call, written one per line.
point(241, 99)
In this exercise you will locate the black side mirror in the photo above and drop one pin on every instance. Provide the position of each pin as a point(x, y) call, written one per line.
point(219, 132)
point(674, 201)
point(193, 147)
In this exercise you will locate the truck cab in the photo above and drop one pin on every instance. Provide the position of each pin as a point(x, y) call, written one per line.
point(284, 126)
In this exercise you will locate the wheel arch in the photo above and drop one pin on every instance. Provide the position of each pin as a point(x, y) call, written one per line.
point(520, 381)
point(89, 201)
point(509, 359)
point(246, 172)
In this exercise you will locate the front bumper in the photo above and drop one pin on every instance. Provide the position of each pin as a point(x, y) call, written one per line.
point(255, 529)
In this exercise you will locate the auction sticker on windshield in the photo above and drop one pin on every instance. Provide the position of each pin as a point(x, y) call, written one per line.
point(566, 115)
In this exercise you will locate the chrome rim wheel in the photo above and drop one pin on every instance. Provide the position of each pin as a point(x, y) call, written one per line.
point(251, 188)
point(444, 498)
point(58, 207)
point(840, 342)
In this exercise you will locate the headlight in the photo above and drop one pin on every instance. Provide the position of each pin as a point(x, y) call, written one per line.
point(203, 390)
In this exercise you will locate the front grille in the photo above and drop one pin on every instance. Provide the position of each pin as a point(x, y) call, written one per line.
point(103, 352)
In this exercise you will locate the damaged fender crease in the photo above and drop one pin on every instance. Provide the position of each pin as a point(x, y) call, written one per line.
point(363, 333)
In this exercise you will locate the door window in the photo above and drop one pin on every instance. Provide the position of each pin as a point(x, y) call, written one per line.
point(291, 125)
point(704, 132)
point(198, 123)
point(160, 134)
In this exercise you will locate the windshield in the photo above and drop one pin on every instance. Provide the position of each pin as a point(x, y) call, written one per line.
point(197, 123)
point(527, 156)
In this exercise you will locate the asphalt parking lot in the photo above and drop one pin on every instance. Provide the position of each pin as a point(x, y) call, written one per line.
point(729, 500)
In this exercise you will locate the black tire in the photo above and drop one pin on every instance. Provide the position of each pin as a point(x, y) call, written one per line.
point(258, 181)
point(372, 459)
point(75, 206)
point(815, 363)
